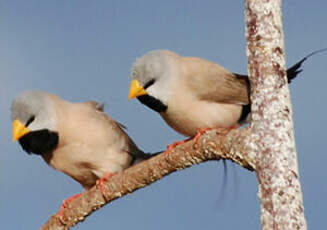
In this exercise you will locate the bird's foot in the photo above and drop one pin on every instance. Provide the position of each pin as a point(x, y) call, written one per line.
point(100, 182)
point(173, 145)
point(235, 126)
point(199, 133)
point(66, 202)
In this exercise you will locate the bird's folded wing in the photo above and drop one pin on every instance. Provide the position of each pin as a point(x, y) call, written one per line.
point(211, 82)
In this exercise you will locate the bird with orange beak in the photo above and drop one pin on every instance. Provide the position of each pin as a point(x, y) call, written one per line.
point(193, 94)
point(78, 139)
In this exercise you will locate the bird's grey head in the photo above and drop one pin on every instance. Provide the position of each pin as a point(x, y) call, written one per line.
point(33, 109)
point(154, 72)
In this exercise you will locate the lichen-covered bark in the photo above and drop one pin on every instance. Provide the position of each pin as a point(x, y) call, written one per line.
point(214, 145)
point(272, 127)
point(267, 146)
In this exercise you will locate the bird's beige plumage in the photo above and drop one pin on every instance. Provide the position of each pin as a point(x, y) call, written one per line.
point(192, 93)
point(198, 93)
point(211, 82)
point(90, 144)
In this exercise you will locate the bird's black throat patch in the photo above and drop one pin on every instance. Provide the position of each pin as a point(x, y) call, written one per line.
point(39, 142)
point(152, 103)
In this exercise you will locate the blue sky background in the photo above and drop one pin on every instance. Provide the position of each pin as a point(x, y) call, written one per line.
point(82, 50)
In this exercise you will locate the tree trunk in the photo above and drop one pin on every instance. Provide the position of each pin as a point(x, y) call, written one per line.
point(272, 126)
point(268, 146)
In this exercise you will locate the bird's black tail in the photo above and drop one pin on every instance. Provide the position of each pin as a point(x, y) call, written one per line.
point(295, 69)
point(291, 74)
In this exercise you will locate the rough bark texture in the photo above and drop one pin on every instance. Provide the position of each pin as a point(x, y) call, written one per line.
point(214, 145)
point(272, 127)
point(267, 146)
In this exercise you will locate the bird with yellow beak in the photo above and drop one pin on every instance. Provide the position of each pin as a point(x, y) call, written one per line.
point(78, 139)
point(192, 93)
point(19, 130)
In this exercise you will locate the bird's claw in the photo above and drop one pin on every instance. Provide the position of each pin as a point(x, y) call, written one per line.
point(66, 202)
point(173, 145)
point(199, 133)
point(100, 182)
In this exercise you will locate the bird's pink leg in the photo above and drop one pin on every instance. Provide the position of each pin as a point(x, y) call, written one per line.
point(176, 143)
point(66, 202)
point(200, 132)
point(100, 182)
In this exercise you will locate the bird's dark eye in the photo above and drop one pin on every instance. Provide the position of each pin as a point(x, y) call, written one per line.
point(149, 83)
point(134, 73)
point(30, 120)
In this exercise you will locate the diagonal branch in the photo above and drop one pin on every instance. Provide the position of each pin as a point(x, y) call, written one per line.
point(267, 146)
point(214, 145)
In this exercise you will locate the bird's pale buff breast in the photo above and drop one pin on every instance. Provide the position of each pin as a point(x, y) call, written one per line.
point(187, 115)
